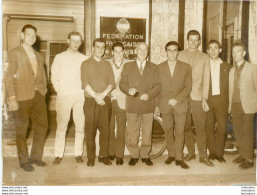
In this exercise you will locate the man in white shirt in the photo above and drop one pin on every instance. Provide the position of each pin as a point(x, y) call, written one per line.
point(67, 83)
point(217, 102)
point(118, 98)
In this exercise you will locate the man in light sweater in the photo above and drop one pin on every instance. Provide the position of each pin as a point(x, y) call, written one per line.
point(198, 97)
point(67, 83)
point(118, 98)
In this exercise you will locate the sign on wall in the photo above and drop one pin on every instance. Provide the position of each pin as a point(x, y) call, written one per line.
point(129, 31)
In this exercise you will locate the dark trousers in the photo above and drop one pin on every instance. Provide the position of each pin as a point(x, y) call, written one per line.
point(117, 142)
point(175, 143)
point(199, 118)
point(243, 130)
point(216, 136)
point(97, 117)
point(34, 110)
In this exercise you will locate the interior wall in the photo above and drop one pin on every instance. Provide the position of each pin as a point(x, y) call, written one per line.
point(252, 44)
point(164, 27)
point(71, 8)
point(193, 18)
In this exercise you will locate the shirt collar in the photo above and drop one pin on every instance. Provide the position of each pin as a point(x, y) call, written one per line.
point(138, 63)
point(219, 61)
point(241, 65)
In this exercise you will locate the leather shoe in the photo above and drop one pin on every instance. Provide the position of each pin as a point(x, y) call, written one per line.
point(79, 159)
point(206, 161)
point(57, 160)
point(211, 156)
point(133, 161)
point(104, 160)
point(27, 167)
point(112, 157)
point(169, 160)
point(221, 159)
point(182, 164)
point(38, 162)
point(147, 161)
point(119, 161)
point(190, 157)
point(246, 164)
point(238, 160)
point(90, 162)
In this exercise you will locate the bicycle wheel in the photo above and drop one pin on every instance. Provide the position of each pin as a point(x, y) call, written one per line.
point(158, 138)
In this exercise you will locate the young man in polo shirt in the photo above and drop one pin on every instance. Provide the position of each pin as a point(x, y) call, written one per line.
point(98, 81)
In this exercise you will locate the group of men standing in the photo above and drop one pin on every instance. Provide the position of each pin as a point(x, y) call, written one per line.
point(103, 94)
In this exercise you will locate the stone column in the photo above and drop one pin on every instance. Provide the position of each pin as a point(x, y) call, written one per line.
point(193, 17)
point(252, 46)
point(89, 25)
point(164, 27)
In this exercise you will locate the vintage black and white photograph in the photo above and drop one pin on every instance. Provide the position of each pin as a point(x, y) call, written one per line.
point(129, 92)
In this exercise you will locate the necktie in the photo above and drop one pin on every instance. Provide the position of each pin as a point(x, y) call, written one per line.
point(141, 68)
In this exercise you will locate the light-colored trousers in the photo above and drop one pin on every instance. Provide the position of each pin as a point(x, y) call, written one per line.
point(135, 123)
point(64, 104)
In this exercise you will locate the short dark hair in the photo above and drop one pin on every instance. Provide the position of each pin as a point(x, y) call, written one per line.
point(212, 42)
point(240, 45)
point(193, 32)
point(74, 34)
point(100, 40)
point(172, 43)
point(28, 26)
point(118, 44)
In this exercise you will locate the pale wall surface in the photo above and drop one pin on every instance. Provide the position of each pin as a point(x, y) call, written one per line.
point(253, 32)
point(74, 8)
point(164, 27)
point(193, 17)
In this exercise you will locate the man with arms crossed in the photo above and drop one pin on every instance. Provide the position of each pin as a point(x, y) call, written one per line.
point(243, 103)
point(117, 140)
point(198, 97)
point(217, 102)
point(140, 82)
point(98, 82)
point(25, 81)
point(67, 83)
point(172, 101)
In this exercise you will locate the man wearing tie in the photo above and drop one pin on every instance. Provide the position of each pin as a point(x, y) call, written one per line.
point(243, 104)
point(172, 101)
point(140, 82)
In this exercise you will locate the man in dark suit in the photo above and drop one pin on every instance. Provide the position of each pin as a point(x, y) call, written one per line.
point(172, 101)
point(243, 104)
point(26, 88)
point(217, 103)
point(140, 82)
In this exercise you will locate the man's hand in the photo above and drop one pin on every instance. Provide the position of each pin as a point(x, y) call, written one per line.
point(99, 98)
point(132, 91)
point(205, 105)
point(172, 102)
point(157, 111)
point(13, 104)
point(144, 97)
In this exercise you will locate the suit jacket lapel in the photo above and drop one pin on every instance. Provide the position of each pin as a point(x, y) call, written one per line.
point(167, 70)
point(245, 69)
point(38, 62)
point(24, 53)
point(176, 70)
